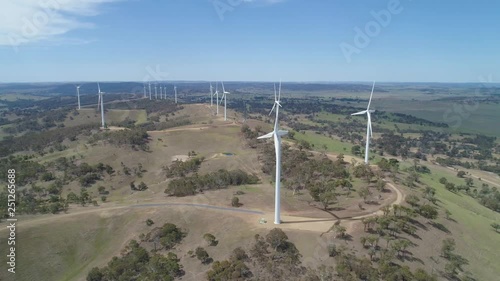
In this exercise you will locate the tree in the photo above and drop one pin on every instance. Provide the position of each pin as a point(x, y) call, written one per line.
point(103, 198)
point(149, 222)
point(380, 185)
point(469, 182)
point(364, 192)
point(412, 200)
point(495, 226)
point(443, 180)
point(95, 275)
point(447, 214)
point(340, 231)
point(202, 255)
point(326, 198)
point(356, 150)
point(210, 238)
point(276, 237)
point(239, 254)
point(235, 202)
point(460, 174)
point(142, 186)
point(428, 211)
point(422, 275)
point(448, 247)
point(101, 190)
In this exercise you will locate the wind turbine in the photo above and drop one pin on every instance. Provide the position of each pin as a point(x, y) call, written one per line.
point(101, 100)
point(144, 90)
point(369, 131)
point(175, 90)
point(224, 96)
point(78, 94)
point(211, 95)
point(217, 97)
point(149, 90)
point(99, 96)
point(276, 134)
point(156, 92)
point(161, 91)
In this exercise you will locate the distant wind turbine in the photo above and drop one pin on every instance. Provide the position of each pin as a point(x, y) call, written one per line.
point(369, 131)
point(149, 90)
point(277, 134)
point(224, 96)
point(217, 97)
point(101, 100)
point(161, 91)
point(144, 90)
point(175, 91)
point(78, 94)
point(211, 95)
point(156, 92)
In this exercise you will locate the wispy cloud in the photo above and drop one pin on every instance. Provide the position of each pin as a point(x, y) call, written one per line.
point(29, 21)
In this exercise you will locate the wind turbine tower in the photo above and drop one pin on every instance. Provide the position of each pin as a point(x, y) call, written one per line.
point(144, 90)
point(369, 131)
point(101, 99)
point(224, 96)
point(276, 134)
point(78, 94)
point(156, 92)
point(211, 95)
point(175, 91)
point(149, 90)
point(217, 97)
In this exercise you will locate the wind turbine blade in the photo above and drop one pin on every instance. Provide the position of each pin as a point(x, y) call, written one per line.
point(271, 112)
point(223, 90)
point(359, 113)
point(266, 136)
point(275, 95)
point(282, 133)
point(371, 95)
point(279, 93)
point(370, 124)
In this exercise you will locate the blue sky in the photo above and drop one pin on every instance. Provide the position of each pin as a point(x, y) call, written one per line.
point(249, 40)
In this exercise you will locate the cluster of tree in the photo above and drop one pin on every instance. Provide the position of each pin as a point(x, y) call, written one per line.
point(35, 200)
point(486, 196)
point(182, 168)
point(190, 185)
point(135, 138)
point(140, 187)
point(39, 141)
point(168, 236)
point(37, 121)
point(27, 171)
point(489, 197)
point(272, 257)
point(136, 263)
point(455, 262)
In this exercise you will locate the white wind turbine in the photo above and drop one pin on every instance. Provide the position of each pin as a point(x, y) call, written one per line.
point(211, 95)
point(224, 96)
point(161, 91)
point(369, 131)
point(277, 134)
point(149, 90)
point(156, 92)
point(78, 94)
point(175, 90)
point(144, 90)
point(101, 101)
point(217, 97)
